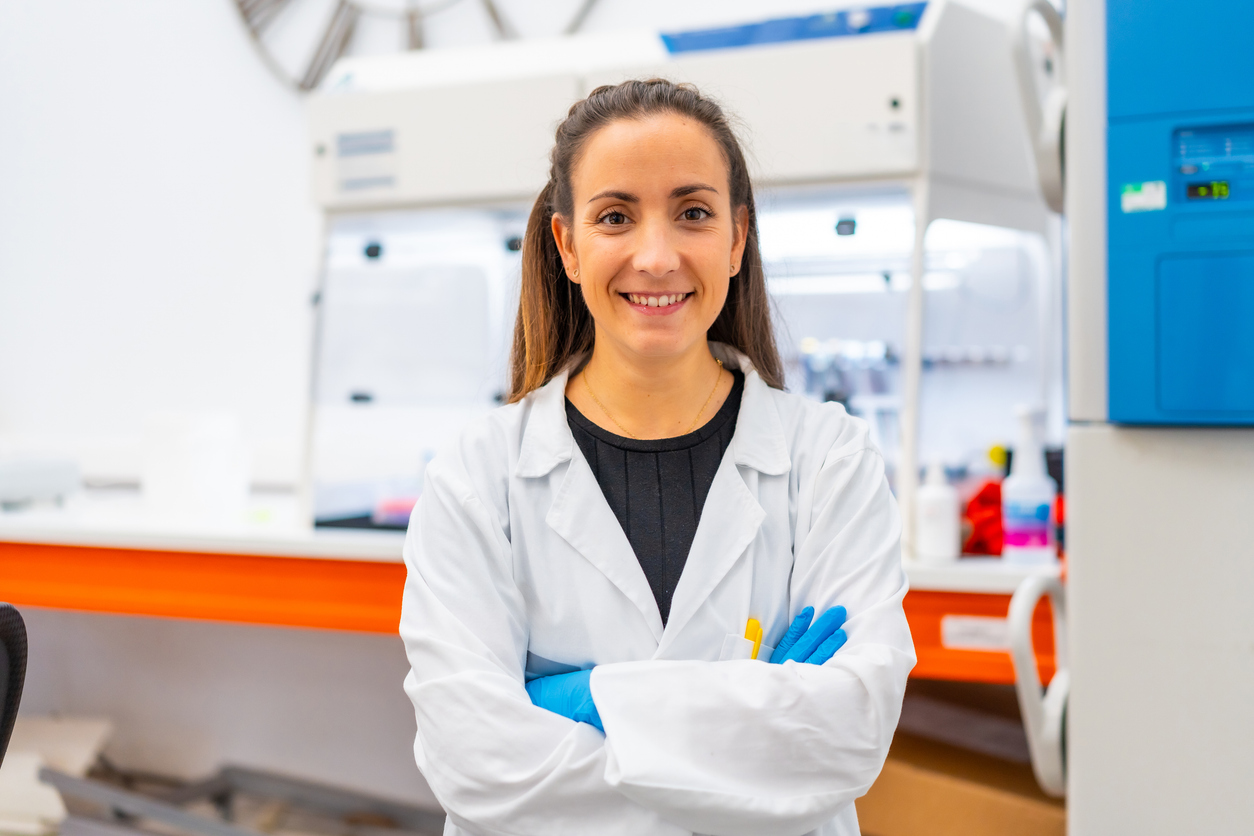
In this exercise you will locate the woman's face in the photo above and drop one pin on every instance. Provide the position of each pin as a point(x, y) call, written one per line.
point(652, 234)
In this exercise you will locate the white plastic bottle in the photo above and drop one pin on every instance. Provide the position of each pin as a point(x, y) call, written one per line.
point(1027, 499)
point(939, 528)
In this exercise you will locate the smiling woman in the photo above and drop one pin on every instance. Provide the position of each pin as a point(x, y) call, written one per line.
point(650, 192)
point(613, 581)
point(653, 256)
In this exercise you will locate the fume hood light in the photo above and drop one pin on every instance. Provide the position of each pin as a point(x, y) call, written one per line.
point(882, 231)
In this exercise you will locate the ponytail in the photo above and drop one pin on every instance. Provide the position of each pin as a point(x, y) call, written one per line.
point(554, 324)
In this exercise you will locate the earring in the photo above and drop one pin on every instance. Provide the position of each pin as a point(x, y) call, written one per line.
point(575, 274)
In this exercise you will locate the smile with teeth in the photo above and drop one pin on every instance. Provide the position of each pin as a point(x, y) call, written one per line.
point(656, 301)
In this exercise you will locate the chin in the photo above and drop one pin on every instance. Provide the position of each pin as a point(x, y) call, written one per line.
point(661, 345)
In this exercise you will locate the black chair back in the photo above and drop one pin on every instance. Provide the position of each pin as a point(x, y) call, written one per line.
point(12, 670)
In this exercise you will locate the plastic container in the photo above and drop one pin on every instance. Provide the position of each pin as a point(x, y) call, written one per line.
point(939, 523)
point(1027, 499)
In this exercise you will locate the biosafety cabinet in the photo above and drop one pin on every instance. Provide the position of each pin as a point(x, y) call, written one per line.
point(907, 244)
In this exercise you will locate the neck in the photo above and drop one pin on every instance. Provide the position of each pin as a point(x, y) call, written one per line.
point(652, 397)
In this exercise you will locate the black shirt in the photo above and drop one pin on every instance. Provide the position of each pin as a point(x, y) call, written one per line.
point(657, 487)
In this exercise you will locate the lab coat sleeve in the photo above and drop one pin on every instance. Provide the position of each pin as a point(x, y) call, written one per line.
point(741, 748)
point(497, 763)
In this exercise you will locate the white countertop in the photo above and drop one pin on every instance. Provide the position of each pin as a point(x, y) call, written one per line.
point(974, 574)
point(118, 519)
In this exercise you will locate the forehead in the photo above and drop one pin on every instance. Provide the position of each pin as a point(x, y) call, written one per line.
point(659, 151)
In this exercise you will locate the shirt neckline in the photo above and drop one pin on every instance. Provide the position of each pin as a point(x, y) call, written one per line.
point(665, 445)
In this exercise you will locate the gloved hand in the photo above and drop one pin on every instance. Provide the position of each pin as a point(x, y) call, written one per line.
point(812, 644)
point(567, 694)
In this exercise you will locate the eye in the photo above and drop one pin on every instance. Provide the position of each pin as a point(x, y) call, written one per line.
point(613, 219)
point(695, 213)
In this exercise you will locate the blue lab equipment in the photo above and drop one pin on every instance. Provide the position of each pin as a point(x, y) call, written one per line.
point(1180, 179)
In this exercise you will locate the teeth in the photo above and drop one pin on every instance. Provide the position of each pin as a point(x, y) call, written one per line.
point(657, 301)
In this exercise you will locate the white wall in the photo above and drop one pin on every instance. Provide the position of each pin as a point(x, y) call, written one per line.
point(157, 243)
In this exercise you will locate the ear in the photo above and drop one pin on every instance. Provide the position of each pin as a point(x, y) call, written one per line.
point(564, 236)
point(740, 234)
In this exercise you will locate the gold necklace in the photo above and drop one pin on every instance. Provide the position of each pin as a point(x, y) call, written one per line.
point(700, 412)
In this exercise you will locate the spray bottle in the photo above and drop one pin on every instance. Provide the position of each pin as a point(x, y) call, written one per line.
point(1027, 499)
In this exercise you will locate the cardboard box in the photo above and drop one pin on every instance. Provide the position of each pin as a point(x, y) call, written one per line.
point(932, 789)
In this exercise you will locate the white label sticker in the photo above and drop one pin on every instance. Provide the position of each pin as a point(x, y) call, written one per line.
point(975, 632)
point(1149, 196)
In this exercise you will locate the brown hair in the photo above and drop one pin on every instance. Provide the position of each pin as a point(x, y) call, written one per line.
point(554, 324)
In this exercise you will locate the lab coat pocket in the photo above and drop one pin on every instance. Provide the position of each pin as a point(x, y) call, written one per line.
point(736, 647)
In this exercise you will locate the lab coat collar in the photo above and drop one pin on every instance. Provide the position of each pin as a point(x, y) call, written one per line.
point(547, 440)
point(757, 443)
point(759, 438)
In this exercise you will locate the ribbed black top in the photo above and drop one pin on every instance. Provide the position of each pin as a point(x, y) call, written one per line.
point(658, 487)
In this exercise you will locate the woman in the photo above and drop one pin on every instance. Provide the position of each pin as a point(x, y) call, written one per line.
point(583, 563)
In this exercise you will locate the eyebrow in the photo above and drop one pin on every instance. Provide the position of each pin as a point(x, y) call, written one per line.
point(679, 191)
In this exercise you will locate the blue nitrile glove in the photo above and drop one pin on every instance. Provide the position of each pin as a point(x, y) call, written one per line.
point(812, 645)
point(567, 694)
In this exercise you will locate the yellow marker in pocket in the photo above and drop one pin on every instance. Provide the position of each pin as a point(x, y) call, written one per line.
point(753, 632)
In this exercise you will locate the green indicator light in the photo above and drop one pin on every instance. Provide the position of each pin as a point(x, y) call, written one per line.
point(1214, 190)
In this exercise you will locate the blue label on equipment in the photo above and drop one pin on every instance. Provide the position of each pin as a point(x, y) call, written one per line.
point(833, 25)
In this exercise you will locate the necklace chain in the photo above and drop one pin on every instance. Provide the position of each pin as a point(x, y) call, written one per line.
point(700, 412)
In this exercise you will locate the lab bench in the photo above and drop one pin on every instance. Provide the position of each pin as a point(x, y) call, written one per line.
point(106, 557)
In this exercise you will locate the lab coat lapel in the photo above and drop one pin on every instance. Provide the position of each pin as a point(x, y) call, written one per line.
point(730, 520)
point(584, 519)
point(579, 513)
point(732, 515)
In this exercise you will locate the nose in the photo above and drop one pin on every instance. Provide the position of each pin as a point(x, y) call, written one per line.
point(656, 253)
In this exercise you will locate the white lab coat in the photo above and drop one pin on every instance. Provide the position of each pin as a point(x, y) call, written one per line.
point(519, 568)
